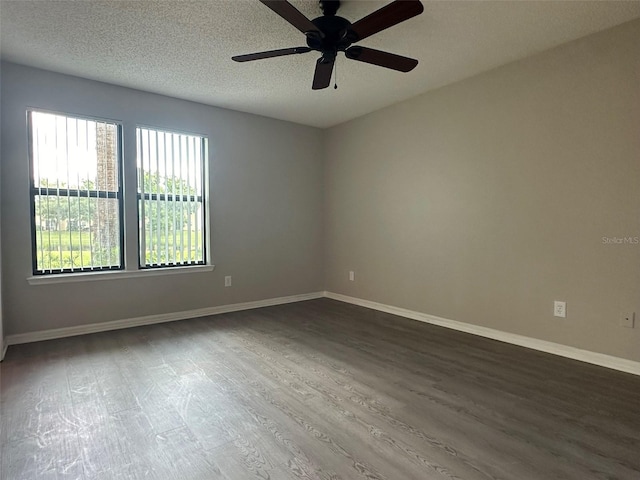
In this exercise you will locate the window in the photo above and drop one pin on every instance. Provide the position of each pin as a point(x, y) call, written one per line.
point(76, 197)
point(80, 201)
point(171, 213)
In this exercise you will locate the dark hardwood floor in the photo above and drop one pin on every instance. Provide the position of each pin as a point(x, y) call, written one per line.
point(313, 390)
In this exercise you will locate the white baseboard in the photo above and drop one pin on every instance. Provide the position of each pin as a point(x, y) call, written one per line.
point(608, 361)
point(152, 319)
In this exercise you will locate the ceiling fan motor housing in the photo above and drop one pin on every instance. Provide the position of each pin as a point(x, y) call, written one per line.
point(335, 38)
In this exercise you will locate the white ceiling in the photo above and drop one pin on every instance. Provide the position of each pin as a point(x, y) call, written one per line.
point(183, 48)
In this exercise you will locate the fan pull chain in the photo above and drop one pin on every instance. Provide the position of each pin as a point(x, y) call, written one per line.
point(335, 70)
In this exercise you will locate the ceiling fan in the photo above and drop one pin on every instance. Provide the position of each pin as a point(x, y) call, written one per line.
point(330, 34)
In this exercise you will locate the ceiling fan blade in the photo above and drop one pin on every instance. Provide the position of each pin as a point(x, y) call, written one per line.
point(322, 76)
point(382, 59)
point(270, 54)
point(387, 16)
point(292, 15)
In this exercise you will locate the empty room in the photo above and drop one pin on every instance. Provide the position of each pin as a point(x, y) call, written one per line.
point(335, 240)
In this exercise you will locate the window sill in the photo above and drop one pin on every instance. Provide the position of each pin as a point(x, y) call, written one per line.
point(115, 275)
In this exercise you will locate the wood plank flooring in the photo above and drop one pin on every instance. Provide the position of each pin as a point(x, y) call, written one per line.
point(312, 390)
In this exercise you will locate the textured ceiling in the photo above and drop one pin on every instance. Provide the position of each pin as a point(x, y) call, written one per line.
point(183, 48)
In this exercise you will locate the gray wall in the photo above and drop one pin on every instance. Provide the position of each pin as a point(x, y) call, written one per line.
point(487, 200)
point(266, 206)
point(480, 202)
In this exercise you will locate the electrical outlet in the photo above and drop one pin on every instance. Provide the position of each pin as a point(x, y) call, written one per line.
point(227, 281)
point(352, 275)
point(560, 309)
point(627, 319)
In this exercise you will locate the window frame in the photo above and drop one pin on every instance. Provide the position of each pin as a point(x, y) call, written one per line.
point(76, 193)
point(202, 199)
point(129, 215)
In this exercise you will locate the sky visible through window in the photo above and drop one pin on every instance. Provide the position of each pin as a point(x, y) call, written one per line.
point(167, 155)
point(65, 150)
